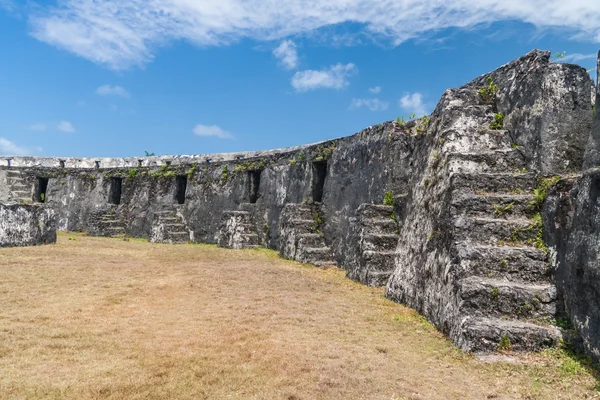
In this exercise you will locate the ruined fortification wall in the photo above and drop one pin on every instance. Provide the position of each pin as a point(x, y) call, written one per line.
point(460, 240)
point(573, 213)
point(26, 225)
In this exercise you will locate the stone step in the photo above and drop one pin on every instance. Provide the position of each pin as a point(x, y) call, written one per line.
point(175, 227)
point(379, 242)
point(298, 211)
point(485, 334)
point(494, 298)
point(379, 225)
point(310, 255)
point(13, 174)
point(514, 264)
point(481, 183)
point(378, 261)
point(177, 237)
point(311, 240)
point(492, 205)
point(325, 263)
point(498, 161)
point(112, 223)
point(302, 225)
point(494, 230)
point(377, 278)
point(20, 187)
point(21, 193)
point(374, 211)
point(479, 138)
point(166, 220)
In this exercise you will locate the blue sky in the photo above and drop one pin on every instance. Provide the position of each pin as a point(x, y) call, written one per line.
point(113, 78)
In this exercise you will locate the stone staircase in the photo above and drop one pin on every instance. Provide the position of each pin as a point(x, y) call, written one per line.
point(506, 298)
point(238, 231)
point(110, 225)
point(378, 239)
point(20, 190)
point(301, 238)
point(168, 227)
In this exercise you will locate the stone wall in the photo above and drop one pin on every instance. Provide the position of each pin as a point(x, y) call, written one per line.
point(572, 215)
point(26, 225)
point(460, 240)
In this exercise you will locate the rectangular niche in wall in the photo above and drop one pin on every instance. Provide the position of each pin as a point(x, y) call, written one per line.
point(116, 186)
point(42, 186)
point(253, 185)
point(319, 170)
point(181, 187)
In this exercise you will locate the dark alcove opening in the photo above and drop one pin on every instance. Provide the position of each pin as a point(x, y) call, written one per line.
point(42, 187)
point(319, 170)
point(116, 186)
point(253, 185)
point(181, 187)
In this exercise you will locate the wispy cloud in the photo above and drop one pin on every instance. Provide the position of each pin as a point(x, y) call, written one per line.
point(334, 77)
point(9, 148)
point(287, 54)
point(38, 127)
point(211, 131)
point(107, 90)
point(576, 57)
point(413, 103)
point(8, 5)
point(125, 33)
point(375, 90)
point(66, 126)
point(371, 104)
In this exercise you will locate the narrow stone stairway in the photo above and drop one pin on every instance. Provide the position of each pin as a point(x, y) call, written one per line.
point(238, 231)
point(111, 225)
point(169, 227)
point(301, 236)
point(505, 292)
point(378, 239)
point(20, 191)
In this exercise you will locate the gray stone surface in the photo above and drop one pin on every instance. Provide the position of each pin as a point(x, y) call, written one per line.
point(592, 151)
point(26, 225)
point(461, 248)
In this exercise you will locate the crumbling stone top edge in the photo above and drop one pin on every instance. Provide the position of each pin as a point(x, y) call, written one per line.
point(144, 161)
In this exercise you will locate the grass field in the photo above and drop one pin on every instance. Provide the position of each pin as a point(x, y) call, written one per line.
point(93, 318)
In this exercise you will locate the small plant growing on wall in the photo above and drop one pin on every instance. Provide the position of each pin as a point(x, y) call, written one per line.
point(388, 199)
point(489, 92)
point(498, 122)
point(504, 343)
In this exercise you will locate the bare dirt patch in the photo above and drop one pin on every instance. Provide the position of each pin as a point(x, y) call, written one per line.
point(94, 318)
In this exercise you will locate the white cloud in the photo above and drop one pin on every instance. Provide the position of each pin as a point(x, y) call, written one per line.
point(211, 131)
point(66, 126)
point(37, 127)
point(334, 77)
point(287, 54)
point(107, 90)
point(371, 104)
point(9, 148)
point(375, 90)
point(413, 103)
point(576, 57)
point(126, 33)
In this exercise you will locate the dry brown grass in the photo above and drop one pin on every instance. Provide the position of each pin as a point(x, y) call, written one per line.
point(95, 318)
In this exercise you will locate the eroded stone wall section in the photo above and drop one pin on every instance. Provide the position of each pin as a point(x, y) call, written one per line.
point(26, 225)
